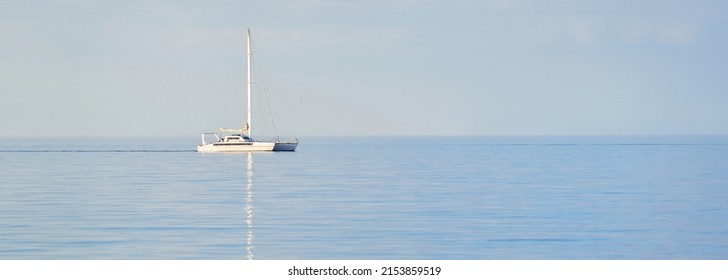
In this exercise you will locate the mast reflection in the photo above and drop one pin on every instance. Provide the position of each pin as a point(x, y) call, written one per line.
point(249, 206)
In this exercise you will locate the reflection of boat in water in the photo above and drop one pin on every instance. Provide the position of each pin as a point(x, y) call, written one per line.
point(249, 207)
point(241, 140)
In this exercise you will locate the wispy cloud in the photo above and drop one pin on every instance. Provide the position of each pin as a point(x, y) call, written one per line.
point(589, 30)
point(638, 31)
point(634, 32)
point(678, 34)
point(334, 36)
point(207, 36)
point(582, 30)
point(305, 4)
point(317, 4)
point(509, 4)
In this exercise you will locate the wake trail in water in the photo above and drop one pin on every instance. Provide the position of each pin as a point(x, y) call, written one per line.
point(97, 151)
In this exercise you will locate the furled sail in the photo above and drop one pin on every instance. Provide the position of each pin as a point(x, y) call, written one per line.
point(244, 130)
point(231, 130)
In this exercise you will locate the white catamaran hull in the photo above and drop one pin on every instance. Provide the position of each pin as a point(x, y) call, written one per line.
point(237, 147)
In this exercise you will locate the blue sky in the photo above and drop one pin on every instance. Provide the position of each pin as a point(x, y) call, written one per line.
point(408, 67)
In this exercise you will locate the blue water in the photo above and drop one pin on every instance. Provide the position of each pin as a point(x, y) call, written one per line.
point(368, 198)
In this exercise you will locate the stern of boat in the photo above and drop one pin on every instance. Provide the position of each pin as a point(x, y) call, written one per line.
point(286, 146)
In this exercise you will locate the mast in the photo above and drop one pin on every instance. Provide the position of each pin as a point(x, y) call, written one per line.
point(250, 84)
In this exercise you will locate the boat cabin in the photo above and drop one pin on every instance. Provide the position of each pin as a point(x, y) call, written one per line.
point(236, 138)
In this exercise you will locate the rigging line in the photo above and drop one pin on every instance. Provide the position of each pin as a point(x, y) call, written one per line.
point(258, 75)
point(275, 99)
point(265, 134)
point(267, 102)
point(230, 90)
point(262, 72)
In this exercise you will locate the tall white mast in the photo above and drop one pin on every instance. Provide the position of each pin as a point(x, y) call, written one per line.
point(250, 85)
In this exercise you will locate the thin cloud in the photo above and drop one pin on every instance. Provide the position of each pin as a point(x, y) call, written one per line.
point(678, 35)
point(581, 30)
point(191, 37)
point(334, 36)
point(645, 31)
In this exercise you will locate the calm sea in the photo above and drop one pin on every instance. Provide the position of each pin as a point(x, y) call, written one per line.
point(368, 198)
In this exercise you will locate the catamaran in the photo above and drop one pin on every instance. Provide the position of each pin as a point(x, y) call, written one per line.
point(240, 140)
